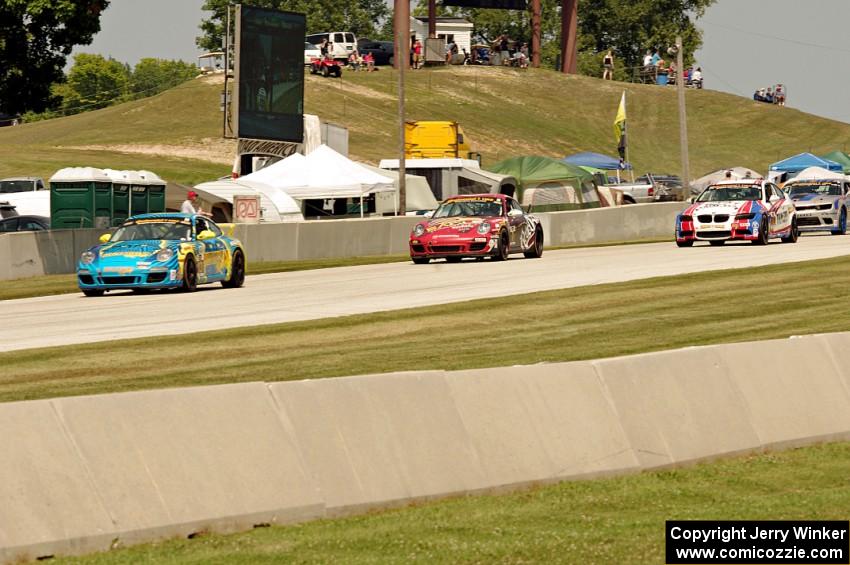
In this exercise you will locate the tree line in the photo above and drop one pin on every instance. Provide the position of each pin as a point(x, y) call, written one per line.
point(36, 37)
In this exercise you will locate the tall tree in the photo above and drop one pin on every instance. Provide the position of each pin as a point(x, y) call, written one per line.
point(151, 76)
point(36, 37)
point(94, 82)
point(361, 17)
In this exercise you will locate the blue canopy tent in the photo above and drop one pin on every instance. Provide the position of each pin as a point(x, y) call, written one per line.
point(595, 160)
point(802, 161)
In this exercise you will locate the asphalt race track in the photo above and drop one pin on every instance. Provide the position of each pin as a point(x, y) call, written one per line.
point(304, 295)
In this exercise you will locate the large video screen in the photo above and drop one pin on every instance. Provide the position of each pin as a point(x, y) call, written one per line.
point(271, 74)
point(497, 4)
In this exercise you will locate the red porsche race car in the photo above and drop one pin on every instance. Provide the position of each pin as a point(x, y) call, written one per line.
point(476, 225)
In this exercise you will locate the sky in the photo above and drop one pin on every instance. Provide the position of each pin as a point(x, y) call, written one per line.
point(747, 44)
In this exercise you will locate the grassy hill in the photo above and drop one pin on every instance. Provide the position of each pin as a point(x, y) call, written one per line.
point(505, 112)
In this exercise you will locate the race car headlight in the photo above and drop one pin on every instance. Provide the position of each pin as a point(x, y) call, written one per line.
point(745, 216)
point(484, 228)
point(88, 257)
point(687, 219)
point(418, 230)
point(164, 255)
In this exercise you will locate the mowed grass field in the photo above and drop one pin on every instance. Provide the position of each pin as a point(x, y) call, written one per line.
point(505, 112)
point(616, 520)
point(563, 325)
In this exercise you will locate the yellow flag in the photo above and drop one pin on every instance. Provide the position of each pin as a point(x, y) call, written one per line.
point(620, 120)
point(620, 127)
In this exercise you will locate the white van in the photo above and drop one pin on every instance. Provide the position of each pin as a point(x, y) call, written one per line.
point(344, 42)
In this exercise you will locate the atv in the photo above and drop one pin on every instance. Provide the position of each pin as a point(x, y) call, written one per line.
point(325, 67)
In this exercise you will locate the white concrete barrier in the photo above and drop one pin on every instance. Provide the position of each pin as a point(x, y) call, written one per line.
point(678, 406)
point(175, 462)
point(85, 473)
point(540, 423)
point(380, 440)
point(48, 502)
point(27, 254)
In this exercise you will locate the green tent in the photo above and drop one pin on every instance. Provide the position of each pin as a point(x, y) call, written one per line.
point(839, 157)
point(548, 184)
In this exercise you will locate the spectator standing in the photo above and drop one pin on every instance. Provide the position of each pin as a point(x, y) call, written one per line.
point(647, 60)
point(505, 53)
point(323, 48)
point(417, 54)
point(607, 65)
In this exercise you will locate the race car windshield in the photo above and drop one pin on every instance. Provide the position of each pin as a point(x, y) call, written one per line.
point(468, 208)
point(819, 189)
point(155, 231)
point(723, 193)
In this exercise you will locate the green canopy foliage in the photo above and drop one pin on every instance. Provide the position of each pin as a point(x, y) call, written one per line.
point(629, 27)
point(36, 37)
point(361, 17)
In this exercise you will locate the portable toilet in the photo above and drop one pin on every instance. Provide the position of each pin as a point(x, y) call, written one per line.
point(120, 195)
point(138, 193)
point(80, 197)
point(156, 191)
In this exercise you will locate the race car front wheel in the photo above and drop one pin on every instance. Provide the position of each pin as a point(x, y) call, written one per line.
point(763, 234)
point(504, 248)
point(842, 223)
point(190, 275)
point(237, 271)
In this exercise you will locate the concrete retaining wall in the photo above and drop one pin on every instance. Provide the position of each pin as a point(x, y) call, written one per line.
point(83, 474)
point(28, 254)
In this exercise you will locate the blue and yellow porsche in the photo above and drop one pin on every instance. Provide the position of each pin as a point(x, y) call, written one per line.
point(155, 251)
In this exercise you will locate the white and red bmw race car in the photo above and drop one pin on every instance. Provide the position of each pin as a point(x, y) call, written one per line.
point(753, 210)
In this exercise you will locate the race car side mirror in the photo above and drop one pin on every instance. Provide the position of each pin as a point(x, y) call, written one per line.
point(105, 237)
point(206, 234)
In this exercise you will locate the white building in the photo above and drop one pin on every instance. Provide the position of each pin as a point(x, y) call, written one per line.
point(458, 30)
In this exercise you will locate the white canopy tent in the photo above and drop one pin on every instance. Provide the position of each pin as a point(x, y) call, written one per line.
point(322, 174)
point(736, 173)
point(819, 173)
point(418, 195)
point(276, 205)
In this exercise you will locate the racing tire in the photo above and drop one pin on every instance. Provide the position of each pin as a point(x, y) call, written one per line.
point(717, 242)
point(190, 275)
point(504, 248)
point(537, 251)
point(763, 233)
point(453, 259)
point(237, 276)
point(325, 72)
point(795, 232)
point(420, 260)
point(842, 223)
point(688, 243)
point(92, 292)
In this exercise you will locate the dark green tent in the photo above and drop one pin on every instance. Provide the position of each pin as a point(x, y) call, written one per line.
point(546, 184)
point(839, 157)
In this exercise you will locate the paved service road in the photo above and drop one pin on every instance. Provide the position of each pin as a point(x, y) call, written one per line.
point(305, 295)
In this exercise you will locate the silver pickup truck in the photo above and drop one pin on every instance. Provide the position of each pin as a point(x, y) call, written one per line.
point(649, 188)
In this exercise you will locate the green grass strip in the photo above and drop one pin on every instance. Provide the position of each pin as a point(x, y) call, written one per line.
point(615, 520)
point(563, 325)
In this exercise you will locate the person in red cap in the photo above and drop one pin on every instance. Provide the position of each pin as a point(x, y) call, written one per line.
point(189, 205)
